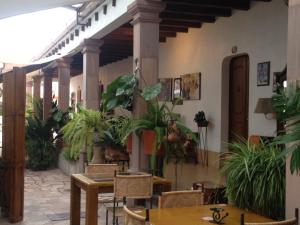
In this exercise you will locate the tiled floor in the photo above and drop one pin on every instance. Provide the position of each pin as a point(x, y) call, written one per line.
point(47, 192)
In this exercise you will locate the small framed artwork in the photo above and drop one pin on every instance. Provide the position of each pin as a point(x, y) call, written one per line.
point(191, 86)
point(166, 92)
point(177, 88)
point(263, 74)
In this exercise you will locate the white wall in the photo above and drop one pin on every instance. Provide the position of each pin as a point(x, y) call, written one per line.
point(260, 33)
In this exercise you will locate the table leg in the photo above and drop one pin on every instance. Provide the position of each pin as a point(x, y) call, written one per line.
point(75, 203)
point(91, 206)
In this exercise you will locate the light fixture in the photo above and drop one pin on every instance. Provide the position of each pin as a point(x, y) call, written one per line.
point(264, 105)
point(2, 65)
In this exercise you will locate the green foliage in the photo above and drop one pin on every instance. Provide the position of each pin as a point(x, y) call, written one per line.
point(120, 93)
point(84, 129)
point(256, 178)
point(287, 107)
point(151, 92)
point(40, 147)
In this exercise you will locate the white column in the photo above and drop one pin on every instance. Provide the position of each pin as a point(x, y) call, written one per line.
point(293, 74)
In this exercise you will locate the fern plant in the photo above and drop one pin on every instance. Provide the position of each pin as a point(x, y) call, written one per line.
point(85, 129)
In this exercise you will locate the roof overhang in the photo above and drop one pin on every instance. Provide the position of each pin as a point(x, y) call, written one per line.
point(17, 7)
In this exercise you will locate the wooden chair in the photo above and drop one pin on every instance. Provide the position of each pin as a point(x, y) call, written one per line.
point(130, 187)
point(102, 168)
point(293, 221)
point(176, 199)
point(108, 169)
point(130, 218)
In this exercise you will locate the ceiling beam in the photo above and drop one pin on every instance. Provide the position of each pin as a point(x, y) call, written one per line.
point(235, 4)
point(187, 17)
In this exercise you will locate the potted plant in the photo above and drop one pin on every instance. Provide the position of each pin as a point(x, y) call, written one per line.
point(200, 119)
point(286, 104)
point(85, 129)
point(255, 178)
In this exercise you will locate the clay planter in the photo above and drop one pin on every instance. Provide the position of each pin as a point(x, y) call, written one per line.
point(129, 144)
point(148, 137)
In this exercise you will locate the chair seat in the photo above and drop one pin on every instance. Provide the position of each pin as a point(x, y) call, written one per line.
point(106, 198)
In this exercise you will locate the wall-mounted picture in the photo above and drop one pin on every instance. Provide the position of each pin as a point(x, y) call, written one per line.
point(191, 86)
point(166, 92)
point(263, 74)
point(177, 88)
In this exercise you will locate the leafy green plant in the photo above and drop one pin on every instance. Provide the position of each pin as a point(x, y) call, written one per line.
point(84, 129)
point(120, 93)
point(287, 107)
point(256, 178)
point(40, 147)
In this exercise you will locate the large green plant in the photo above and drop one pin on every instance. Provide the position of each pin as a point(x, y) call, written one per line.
point(83, 130)
point(256, 178)
point(287, 107)
point(40, 147)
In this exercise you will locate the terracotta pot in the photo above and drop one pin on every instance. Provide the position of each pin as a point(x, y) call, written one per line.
point(149, 142)
point(98, 155)
point(129, 144)
point(112, 154)
point(173, 137)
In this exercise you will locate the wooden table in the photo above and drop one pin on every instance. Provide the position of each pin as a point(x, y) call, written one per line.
point(194, 216)
point(93, 186)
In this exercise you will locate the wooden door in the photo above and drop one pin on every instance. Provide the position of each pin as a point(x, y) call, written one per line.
point(238, 98)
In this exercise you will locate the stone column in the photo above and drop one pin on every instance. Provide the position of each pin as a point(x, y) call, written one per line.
point(293, 74)
point(47, 99)
point(36, 92)
point(63, 71)
point(37, 87)
point(29, 86)
point(90, 88)
point(145, 23)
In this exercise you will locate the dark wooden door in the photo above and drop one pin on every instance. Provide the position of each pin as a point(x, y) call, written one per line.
point(238, 98)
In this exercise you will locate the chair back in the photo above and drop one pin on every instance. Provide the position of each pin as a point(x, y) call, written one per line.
point(133, 186)
point(132, 218)
point(102, 168)
point(293, 221)
point(176, 199)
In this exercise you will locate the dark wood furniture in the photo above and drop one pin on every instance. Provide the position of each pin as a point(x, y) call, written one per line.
point(93, 185)
point(213, 193)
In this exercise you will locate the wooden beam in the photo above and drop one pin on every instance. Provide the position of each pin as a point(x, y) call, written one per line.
point(187, 17)
point(174, 29)
point(171, 23)
point(198, 10)
point(236, 4)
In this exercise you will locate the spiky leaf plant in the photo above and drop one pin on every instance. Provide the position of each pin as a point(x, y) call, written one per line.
point(256, 178)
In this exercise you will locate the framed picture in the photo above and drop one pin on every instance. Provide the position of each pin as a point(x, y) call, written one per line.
point(263, 74)
point(177, 88)
point(166, 92)
point(191, 86)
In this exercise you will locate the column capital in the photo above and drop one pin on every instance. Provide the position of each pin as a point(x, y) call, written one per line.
point(146, 11)
point(64, 62)
point(91, 45)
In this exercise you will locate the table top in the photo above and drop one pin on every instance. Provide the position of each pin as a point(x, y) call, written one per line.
point(101, 179)
point(196, 215)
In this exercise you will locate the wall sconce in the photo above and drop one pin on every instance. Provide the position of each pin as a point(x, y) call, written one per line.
point(2, 65)
point(264, 105)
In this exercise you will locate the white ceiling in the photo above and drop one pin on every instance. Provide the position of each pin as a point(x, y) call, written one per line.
point(17, 7)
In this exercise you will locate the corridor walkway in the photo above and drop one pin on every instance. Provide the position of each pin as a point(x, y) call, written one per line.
point(47, 193)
